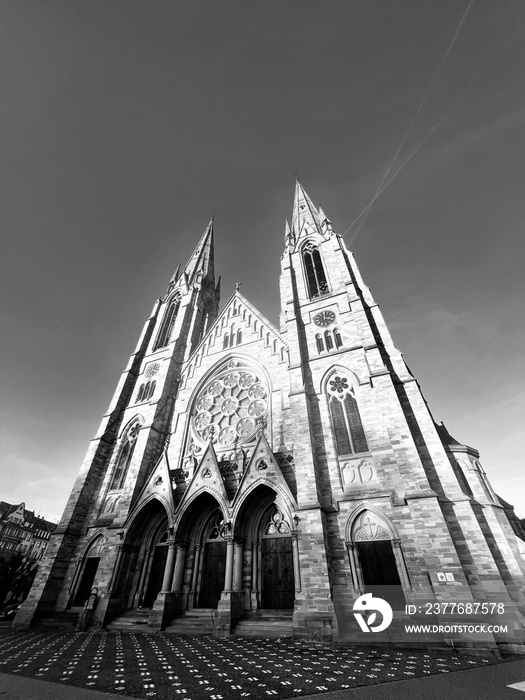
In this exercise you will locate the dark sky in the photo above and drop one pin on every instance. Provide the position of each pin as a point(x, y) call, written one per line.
point(124, 125)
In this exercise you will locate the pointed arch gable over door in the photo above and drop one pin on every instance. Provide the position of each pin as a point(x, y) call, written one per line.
point(376, 558)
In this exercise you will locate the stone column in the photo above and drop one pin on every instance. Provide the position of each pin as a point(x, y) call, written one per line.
point(353, 566)
point(145, 567)
point(237, 576)
point(168, 569)
point(80, 565)
point(179, 568)
point(228, 577)
point(116, 570)
point(296, 563)
point(401, 566)
point(195, 573)
point(255, 572)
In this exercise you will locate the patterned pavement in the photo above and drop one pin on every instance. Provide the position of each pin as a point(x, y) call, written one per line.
point(198, 668)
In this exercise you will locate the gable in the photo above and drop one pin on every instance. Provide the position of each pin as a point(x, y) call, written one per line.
point(239, 325)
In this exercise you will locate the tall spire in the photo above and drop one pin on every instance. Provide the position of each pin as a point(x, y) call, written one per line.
point(304, 212)
point(202, 259)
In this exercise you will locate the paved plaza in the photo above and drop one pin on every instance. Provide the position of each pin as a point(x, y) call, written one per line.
point(197, 668)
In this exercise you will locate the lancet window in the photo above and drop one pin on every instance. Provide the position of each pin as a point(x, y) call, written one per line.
point(124, 457)
point(349, 433)
point(146, 391)
point(315, 274)
point(167, 324)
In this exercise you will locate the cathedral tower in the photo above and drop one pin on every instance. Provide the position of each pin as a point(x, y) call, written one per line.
point(270, 478)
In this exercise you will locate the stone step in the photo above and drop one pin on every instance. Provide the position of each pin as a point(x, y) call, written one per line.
point(117, 627)
point(196, 621)
point(61, 621)
point(263, 631)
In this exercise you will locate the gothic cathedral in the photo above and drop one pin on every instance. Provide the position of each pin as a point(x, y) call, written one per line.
point(248, 479)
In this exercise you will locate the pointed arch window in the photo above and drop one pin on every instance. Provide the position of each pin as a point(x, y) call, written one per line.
point(319, 343)
point(124, 458)
point(328, 340)
point(315, 275)
point(239, 337)
point(348, 428)
point(205, 317)
point(226, 341)
point(167, 324)
point(337, 338)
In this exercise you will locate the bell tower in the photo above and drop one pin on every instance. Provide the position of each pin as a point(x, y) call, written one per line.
point(129, 441)
point(371, 463)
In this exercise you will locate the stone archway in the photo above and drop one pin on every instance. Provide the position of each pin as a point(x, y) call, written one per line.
point(201, 558)
point(376, 560)
point(88, 571)
point(143, 558)
point(266, 566)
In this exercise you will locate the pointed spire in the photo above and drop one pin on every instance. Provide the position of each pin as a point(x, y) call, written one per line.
point(202, 259)
point(304, 212)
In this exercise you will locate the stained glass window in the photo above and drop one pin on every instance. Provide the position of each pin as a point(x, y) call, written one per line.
point(349, 433)
point(167, 324)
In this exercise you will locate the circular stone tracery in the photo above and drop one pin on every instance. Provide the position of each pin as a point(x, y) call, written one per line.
point(230, 406)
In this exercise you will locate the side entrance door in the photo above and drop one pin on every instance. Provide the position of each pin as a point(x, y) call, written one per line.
point(380, 574)
point(86, 582)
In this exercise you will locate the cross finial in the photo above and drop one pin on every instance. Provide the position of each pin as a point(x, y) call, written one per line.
point(237, 285)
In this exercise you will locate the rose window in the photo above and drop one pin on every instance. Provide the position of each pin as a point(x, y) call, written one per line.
point(230, 406)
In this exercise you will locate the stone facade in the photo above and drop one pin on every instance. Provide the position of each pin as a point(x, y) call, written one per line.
point(241, 467)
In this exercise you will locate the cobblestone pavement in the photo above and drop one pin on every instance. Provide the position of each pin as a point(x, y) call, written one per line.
point(197, 668)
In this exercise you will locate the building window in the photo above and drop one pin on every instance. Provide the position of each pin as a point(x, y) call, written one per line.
point(337, 338)
point(167, 324)
point(328, 340)
point(319, 343)
point(141, 392)
point(226, 341)
point(124, 458)
point(315, 276)
point(349, 433)
point(239, 337)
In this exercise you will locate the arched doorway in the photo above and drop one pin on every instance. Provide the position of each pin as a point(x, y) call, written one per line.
point(269, 575)
point(153, 578)
point(376, 559)
point(202, 530)
point(277, 565)
point(144, 558)
point(87, 571)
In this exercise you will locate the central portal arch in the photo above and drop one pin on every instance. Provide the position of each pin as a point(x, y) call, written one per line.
point(270, 572)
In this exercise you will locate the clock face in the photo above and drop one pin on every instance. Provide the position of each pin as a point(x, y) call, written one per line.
point(324, 318)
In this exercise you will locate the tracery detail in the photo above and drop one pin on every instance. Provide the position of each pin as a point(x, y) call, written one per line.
point(349, 433)
point(230, 406)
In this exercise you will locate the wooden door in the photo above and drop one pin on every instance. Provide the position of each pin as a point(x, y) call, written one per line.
point(213, 573)
point(277, 580)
